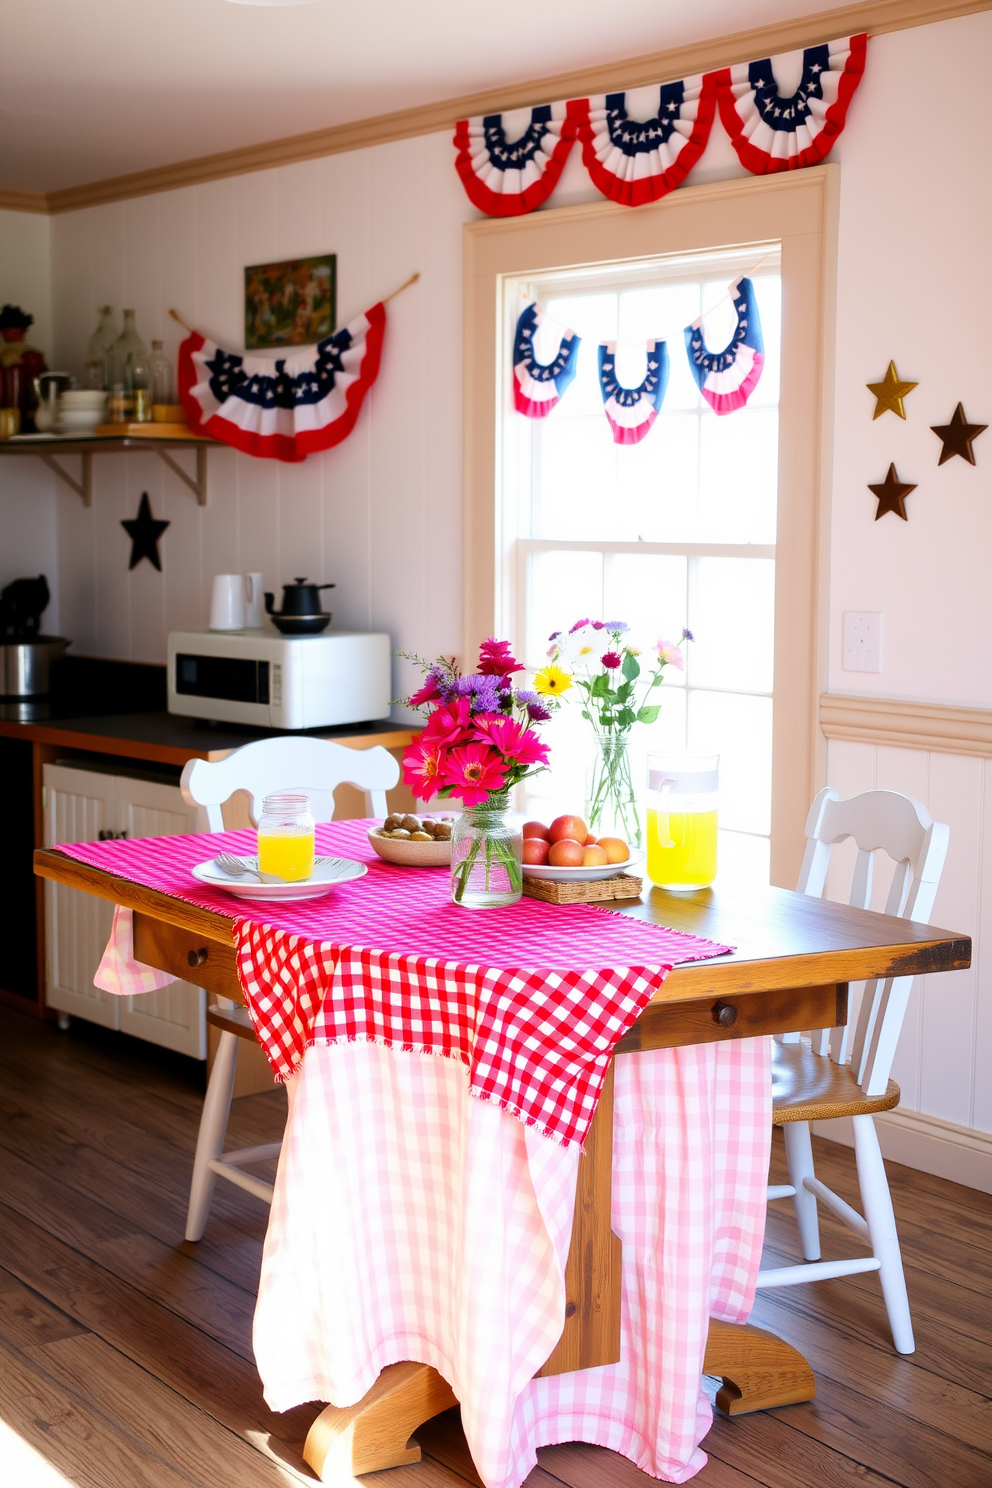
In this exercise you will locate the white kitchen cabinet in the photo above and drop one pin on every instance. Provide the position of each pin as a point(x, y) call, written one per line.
point(80, 804)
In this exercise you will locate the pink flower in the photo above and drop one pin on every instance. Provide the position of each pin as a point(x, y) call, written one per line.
point(428, 692)
point(669, 654)
point(611, 660)
point(423, 767)
point(496, 660)
point(449, 722)
point(578, 626)
point(474, 771)
point(517, 744)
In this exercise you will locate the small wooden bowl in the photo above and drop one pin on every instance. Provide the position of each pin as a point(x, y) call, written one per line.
point(411, 854)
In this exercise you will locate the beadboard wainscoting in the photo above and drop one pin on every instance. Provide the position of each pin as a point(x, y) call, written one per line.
point(944, 1123)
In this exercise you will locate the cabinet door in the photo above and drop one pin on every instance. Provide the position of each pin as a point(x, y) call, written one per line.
point(79, 805)
point(175, 1016)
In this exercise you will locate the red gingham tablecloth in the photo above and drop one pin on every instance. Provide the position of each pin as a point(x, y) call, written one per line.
point(531, 998)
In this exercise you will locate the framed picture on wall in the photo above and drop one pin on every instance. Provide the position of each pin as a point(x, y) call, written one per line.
point(292, 303)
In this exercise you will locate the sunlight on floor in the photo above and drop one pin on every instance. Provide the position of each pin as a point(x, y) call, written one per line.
point(25, 1467)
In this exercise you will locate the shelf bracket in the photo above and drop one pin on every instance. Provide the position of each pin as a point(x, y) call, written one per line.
point(197, 486)
point(83, 488)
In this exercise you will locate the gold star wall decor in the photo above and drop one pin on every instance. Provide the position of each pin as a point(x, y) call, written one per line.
point(956, 436)
point(892, 495)
point(890, 392)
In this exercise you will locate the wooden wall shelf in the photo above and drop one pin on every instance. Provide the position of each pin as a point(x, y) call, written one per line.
point(46, 447)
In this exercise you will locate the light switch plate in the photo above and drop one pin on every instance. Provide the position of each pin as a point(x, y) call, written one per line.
point(862, 641)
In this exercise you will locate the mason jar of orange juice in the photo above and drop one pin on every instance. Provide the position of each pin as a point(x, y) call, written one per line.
point(286, 836)
point(682, 819)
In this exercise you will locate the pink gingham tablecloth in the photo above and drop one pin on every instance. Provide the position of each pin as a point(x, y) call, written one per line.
point(531, 998)
point(410, 1221)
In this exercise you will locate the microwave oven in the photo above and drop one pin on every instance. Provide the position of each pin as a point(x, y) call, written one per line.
point(281, 682)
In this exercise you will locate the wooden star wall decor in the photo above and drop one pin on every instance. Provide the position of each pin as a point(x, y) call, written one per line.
point(892, 493)
point(144, 532)
point(889, 393)
point(956, 436)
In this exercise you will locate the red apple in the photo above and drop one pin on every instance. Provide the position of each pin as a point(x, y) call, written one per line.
point(536, 850)
point(536, 829)
point(572, 827)
point(566, 853)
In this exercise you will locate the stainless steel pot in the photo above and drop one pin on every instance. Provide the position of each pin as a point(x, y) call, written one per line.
point(25, 665)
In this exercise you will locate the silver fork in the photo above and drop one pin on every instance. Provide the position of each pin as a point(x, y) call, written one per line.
point(235, 867)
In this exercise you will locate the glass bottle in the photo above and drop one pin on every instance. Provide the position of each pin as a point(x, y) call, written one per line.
point(137, 380)
point(487, 856)
point(127, 342)
point(286, 837)
point(162, 385)
point(99, 350)
point(612, 808)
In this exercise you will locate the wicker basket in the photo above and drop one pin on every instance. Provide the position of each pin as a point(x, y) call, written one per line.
point(624, 886)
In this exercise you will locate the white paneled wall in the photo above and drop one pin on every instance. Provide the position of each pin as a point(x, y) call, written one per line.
point(945, 1053)
point(379, 515)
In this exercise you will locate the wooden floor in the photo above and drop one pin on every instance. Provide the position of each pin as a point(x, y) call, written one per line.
point(125, 1353)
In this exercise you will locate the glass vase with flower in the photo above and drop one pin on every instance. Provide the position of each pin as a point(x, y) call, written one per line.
point(478, 743)
point(615, 681)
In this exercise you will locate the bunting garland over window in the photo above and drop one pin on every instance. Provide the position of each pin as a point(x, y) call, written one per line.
point(506, 179)
point(775, 132)
point(538, 386)
point(727, 378)
point(632, 411)
point(634, 162)
point(285, 409)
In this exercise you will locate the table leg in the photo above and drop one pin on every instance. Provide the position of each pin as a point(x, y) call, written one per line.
point(375, 1432)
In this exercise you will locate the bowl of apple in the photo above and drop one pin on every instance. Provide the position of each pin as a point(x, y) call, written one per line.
point(566, 851)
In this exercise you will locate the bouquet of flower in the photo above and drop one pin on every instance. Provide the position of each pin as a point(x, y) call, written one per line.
point(617, 692)
point(478, 743)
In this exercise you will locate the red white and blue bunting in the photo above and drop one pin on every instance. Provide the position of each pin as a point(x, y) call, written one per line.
point(727, 378)
point(634, 162)
point(538, 386)
point(632, 411)
point(772, 131)
point(285, 409)
point(506, 179)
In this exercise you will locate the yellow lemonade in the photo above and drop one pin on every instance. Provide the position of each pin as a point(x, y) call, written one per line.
point(287, 855)
point(690, 861)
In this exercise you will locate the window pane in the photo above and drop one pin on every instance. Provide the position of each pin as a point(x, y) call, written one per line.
point(740, 730)
point(562, 588)
point(738, 476)
point(594, 318)
point(656, 481)
point(732, 612)
point(648, 592)
point(662, 313)
point(768, 292)
point(743, 862)
point(575, 476)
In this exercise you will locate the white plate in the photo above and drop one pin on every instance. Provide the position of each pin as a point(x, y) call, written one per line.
point(327, 874)
point(581, 875)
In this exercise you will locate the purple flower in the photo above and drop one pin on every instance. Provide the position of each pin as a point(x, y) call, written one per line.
point(523, 697)
point(687, 634)
point(554, 635)
point(578, 626)
point(538, 713)
point(616, 627)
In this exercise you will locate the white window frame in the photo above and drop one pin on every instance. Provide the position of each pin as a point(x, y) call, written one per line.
point(798, 210)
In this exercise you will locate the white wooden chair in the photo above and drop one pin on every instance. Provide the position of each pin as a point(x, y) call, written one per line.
point(315, 766)
point(830, 1075)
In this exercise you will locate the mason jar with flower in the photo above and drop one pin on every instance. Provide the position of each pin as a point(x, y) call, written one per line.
point(478, 743)
point(615, 682)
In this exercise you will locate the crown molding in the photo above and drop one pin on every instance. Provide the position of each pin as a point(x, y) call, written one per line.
point(939, 728)
point(875, 16)
point(23, 201)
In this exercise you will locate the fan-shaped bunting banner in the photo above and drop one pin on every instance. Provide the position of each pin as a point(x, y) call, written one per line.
point(772, 131)
point(285, 409)
point(727, 378)
point(631, 411)
point(504, 178)
point(632, 161)
point(538, 386)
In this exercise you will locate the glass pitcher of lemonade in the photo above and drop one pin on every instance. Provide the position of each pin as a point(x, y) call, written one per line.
point(286, 836)
point(681, 819)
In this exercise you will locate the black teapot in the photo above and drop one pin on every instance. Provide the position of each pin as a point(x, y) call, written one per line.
point(301, 612)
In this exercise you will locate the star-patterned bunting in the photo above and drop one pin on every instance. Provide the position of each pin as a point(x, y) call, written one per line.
point(890, 392)
point(892, 495)
point(144, 532)
point(956, 436)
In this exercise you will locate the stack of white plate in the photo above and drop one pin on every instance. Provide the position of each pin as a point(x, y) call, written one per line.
point(80, 410)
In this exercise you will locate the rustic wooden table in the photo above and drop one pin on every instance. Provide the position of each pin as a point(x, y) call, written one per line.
point(794, 957)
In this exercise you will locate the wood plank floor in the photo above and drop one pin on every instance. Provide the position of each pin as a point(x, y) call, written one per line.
point(125, 1353)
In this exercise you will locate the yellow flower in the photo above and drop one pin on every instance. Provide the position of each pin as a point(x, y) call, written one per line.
point(586, 651)
point(552, 680)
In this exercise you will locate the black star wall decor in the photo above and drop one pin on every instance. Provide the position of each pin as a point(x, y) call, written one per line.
point(892, 493)
point(144, 532)
point(956, 436)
